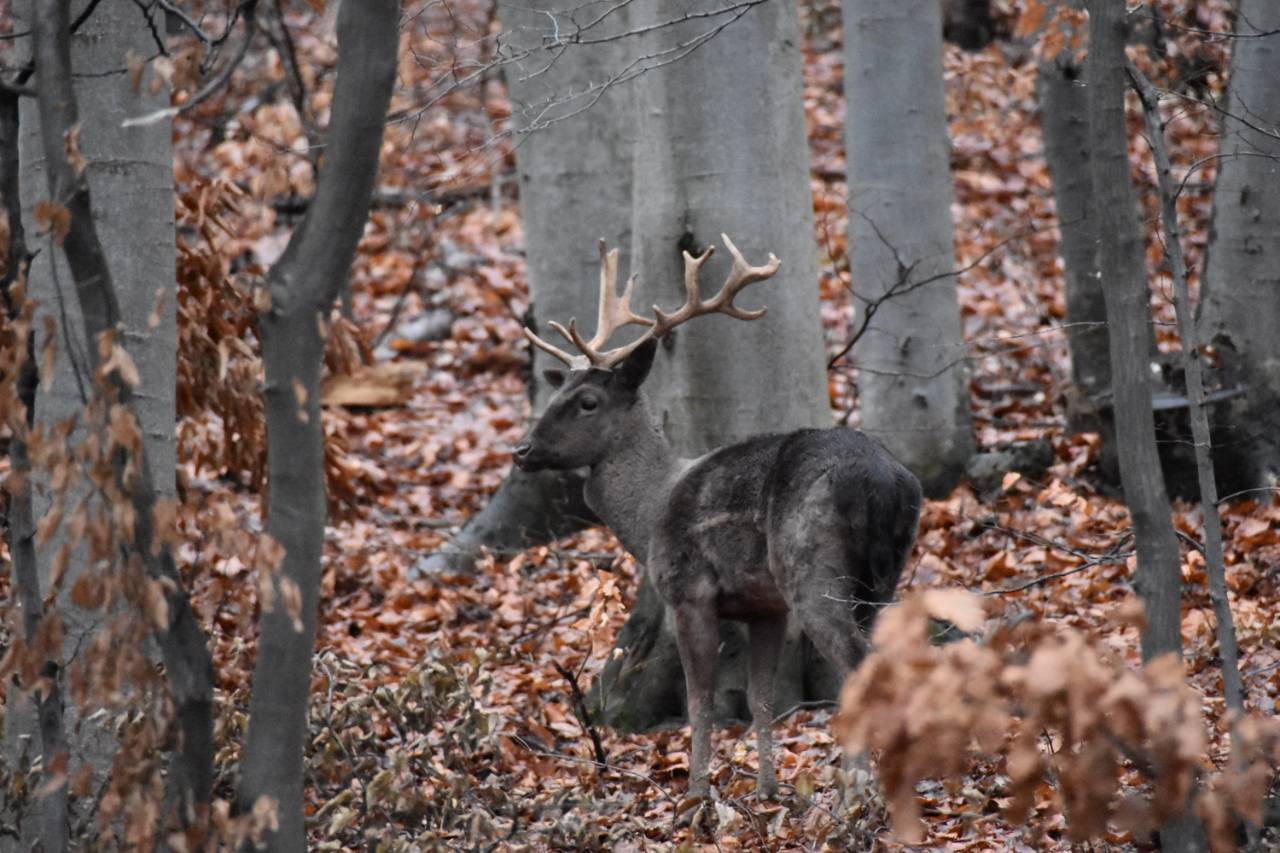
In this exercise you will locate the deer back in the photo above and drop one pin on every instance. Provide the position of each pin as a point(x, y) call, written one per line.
point(741, 524)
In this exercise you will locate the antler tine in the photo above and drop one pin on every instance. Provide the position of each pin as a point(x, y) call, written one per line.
point(741, 275)
point(590, 354)
point(614, 313)
point(614, 310)
point(692, 295)
point(574, 362)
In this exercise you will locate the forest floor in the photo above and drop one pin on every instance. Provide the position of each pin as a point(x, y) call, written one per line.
point(443, 708)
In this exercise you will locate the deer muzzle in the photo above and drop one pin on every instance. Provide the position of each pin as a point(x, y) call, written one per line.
point(527, 457)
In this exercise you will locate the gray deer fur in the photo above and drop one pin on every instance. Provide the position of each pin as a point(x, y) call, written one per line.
point(813, 524)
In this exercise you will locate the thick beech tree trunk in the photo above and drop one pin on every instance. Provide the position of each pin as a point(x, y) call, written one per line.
point(574, 126)
point(1064, 118)
point(1122, 272)
point(720, 147)
point(124, 234)
point(911, 369)
point(40, 720)
point(1242, 270)
point(302, 287)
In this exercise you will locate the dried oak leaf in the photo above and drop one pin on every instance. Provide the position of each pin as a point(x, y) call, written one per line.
point(54, 219)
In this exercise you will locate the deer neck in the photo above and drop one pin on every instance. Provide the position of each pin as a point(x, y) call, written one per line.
point(631, 485)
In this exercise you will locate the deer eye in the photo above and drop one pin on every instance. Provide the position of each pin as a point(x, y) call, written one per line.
point(588, 403)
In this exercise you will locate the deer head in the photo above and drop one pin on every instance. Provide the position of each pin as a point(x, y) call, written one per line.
point(595, 407)
point(592, 412)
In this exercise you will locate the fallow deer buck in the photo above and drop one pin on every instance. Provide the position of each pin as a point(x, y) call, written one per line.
point(814, 524)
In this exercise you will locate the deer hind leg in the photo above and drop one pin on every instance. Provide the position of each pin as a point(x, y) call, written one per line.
point(817, 557)
point(698, 638)
point(766, 638)
point(828, 615)
point(836, 613)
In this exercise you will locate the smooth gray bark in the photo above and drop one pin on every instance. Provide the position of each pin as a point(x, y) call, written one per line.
point(43, 715)
point(573, 127)
point(131, 214)
point(1122, 271)
point(573, 124)
point(1064, 120)
point(1064, 104)
point(720, 147)
point(1242, 269)
point(303, 286)
point(912, 385)
point(130, 170)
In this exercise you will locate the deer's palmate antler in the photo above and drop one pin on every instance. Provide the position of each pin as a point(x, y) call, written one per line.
point(615, 311)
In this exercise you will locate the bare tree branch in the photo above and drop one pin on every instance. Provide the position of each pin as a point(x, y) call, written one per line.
point(1222, 111)
point(584, 715)
point(449, 82)
point(297, 89)
point(1228, 650)
point(1214, 35)
point(215, 83)
point(1117, 553)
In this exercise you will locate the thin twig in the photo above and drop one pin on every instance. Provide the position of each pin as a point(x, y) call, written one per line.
point(1234, 495)
point(1113, 555)
point(186, 20)
point(904, 285)
point(214, 84)
point(573, 759)
point(584, 716)
point(297, 88)
point(1214, 35)
point(1222, 111)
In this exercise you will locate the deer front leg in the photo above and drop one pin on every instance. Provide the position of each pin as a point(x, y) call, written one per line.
point(766, 645)
point(698, 638)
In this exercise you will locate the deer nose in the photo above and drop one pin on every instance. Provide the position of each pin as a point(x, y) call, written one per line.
point(522, 450)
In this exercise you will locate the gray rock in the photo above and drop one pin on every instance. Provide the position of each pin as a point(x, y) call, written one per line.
point(1031, 459)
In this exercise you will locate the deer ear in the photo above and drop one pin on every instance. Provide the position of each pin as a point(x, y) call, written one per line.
point(555, 378)
point(632, 372)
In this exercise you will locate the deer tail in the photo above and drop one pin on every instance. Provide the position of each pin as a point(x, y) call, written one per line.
point(893, 516)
